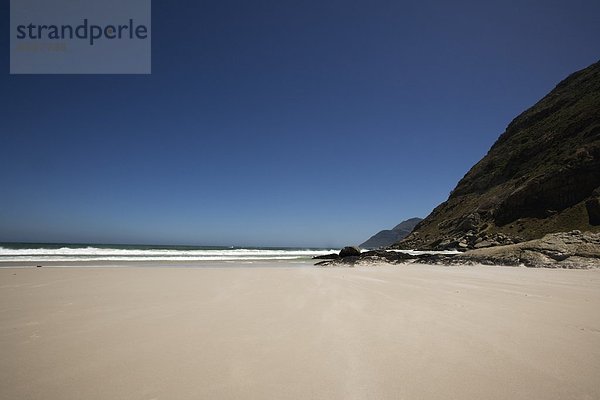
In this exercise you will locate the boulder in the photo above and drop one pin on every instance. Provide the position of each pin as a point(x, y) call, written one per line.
point(349, 251)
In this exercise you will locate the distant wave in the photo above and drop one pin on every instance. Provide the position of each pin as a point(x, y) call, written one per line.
point(129, 254)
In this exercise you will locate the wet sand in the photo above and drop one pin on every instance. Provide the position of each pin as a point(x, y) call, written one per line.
point(403, 332)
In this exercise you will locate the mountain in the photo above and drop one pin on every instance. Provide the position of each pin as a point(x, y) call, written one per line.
point(390, 236)
point(541, 176)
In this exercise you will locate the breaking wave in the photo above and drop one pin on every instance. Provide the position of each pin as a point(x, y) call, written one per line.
point(91, 253)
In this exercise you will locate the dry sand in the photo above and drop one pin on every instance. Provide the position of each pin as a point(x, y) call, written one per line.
point(405, 332)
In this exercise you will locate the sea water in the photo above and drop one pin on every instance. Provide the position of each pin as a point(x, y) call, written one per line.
point(50, 252)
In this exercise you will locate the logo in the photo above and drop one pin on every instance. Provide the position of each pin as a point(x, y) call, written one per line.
point(80, 37)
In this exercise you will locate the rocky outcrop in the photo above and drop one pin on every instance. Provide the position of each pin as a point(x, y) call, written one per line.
point(541, 176)
point(390, 236)
point(472, 240)
point(369, 258)
point(558, 250)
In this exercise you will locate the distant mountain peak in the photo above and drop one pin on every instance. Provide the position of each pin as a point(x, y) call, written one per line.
point(389, 236)
point(409, 224)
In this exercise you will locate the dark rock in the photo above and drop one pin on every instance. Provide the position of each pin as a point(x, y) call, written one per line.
point(331, 256)
point(387, 256)
point(349, 251)
point(593, 210)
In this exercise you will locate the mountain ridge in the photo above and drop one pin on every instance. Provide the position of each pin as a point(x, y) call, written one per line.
point(387, 237)
point(541, 176)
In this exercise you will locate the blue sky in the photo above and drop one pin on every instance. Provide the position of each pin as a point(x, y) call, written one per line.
point(278, 123)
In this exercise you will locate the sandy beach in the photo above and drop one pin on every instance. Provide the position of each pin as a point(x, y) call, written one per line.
point(403, 332)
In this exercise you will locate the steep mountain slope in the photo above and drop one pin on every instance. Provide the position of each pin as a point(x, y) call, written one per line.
point(541, 176)
point(390, 236)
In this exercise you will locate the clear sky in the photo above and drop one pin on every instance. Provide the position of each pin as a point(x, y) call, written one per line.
point(285, 123)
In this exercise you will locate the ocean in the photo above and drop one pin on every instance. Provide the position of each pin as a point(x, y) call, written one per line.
point(63, 252)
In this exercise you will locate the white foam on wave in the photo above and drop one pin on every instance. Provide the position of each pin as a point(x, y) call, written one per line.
point(419, 252)
point(113, 254)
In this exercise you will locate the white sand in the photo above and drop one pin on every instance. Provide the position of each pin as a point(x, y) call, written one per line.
point(410, 332)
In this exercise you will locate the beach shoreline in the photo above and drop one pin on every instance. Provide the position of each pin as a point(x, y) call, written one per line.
point(404, 331)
